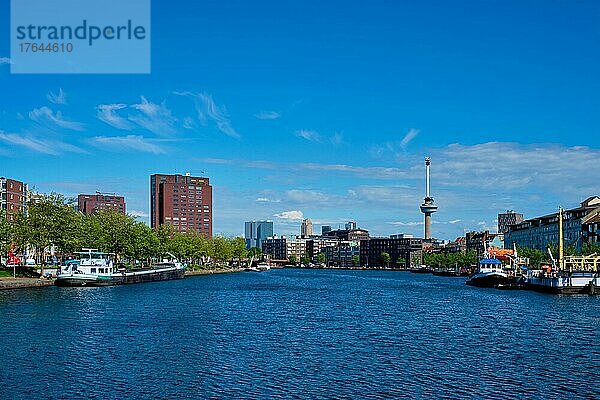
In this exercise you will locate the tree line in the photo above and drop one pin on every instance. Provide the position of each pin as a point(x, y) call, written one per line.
point(50, 222)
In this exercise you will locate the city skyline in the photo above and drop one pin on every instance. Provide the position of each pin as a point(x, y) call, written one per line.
point(327, 115)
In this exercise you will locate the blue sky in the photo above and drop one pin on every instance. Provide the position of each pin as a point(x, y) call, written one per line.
point(326, 109)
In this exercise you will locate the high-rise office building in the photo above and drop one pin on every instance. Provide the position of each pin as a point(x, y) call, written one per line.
point(325, 229)
point(13, 197)
point(350, 225)
point(306, 230)
point(256, 232)
point(507, 219)
point(91, 203)
point(183, 201)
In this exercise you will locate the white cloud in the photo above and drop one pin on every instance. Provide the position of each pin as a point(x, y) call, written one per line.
point(454, 221)
point(410, 135)
point(412, 223)
point(5, 60)
point(267, 200)
point(50, 147)
point(129, 142)
point(137, 213)
point(208, 110)
point(290, 215)
point(156, 118)
point(505, 167)
point(45, 116)
point(268, 115)
point(310, 135)
point(57, 98)
point(108, 113)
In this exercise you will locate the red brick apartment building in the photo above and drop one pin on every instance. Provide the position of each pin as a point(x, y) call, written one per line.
point(91, 203)
point(183, 201)
point(13, 196)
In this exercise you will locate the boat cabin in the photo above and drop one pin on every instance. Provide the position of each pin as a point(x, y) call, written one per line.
point(91, 262)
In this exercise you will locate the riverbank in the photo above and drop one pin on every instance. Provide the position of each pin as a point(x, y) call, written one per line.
point(23, 283)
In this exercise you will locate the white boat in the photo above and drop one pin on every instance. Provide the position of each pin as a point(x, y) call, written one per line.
point(490, 273)
point(263, 266)
point(95, 268)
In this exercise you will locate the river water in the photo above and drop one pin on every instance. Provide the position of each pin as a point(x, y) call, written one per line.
point(298, 334)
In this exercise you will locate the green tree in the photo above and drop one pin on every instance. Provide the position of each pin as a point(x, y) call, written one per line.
point(5, 233)
point(355, 260)
point(238, 245)
point(305, 259)
point(321, 258)
point(254, 252)
point(385, 259)
point(49, 221)
point(400, 262)
point(292, 259)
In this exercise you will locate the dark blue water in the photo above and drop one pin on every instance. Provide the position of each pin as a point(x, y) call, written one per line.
point(300, 334)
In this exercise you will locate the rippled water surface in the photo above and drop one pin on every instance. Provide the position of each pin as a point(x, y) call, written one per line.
point(300, 334)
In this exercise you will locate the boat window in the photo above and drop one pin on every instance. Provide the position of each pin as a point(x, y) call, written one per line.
point(93, 270)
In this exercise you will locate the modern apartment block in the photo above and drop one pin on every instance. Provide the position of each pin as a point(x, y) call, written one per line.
point(257, 231)
point(91, 203)
point(403, 252)
point(507, 219)
point(581, 225)
point(183, 201)
point(13, 197)
point(275, 247)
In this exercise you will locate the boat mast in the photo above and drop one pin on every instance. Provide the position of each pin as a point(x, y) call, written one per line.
point(560, 240)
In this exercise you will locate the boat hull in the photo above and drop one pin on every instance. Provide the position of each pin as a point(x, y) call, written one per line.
point(124, 278)
point(489, 280)
point(565, 285)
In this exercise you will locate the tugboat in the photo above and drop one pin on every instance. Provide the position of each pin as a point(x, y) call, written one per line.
point(489, 274)
point(95, 268)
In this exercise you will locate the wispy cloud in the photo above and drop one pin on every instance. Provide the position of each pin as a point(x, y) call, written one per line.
point(108, 113)
point(454, 221)
point(129, 142)
point(50, 147)
point(411, 223)
point(156, 118)
point(267, 200)
point(57, 98)
point(5, 60)
point(208, 110)
point(337, 138)
point(308, 134)
point(45, 116)
point(268, 115)
point(290, 215)
point(505, 166)
point(410, 135)
point(374, 172)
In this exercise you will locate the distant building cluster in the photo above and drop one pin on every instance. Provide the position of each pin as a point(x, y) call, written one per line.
point(184, 201)
point(349, 247)
point(581, 226)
